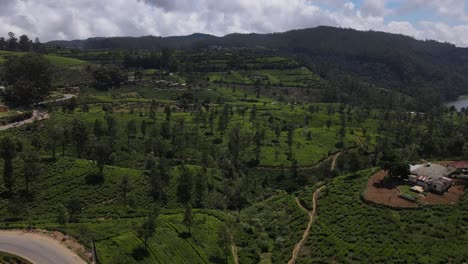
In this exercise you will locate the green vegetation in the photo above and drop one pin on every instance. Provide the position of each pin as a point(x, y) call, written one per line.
point(188, 156)
point(12, 259)
point(55, 60)
point(347, 229)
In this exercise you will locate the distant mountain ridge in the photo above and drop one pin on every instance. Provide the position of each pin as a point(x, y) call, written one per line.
point(144, 42)
point(393, 61)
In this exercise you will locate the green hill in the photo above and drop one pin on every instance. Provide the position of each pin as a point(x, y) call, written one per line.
point(55, 60)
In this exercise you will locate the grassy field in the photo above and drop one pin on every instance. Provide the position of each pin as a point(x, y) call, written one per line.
point(55, 60)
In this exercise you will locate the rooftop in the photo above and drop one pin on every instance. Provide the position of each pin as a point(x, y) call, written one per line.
point(459, 164)
point(432, 171)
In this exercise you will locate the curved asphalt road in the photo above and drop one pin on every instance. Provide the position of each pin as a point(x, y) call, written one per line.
point(37, 248)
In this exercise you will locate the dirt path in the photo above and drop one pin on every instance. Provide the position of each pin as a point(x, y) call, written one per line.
point(234, 251)
point(333, 165)
point(298, 246)
point(359, 140)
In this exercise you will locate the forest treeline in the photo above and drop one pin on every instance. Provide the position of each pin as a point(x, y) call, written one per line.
point(396, 62)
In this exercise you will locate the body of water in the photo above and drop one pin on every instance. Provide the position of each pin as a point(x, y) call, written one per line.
point(459, 104)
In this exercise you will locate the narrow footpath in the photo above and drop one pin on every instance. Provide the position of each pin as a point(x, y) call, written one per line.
point(298, 246)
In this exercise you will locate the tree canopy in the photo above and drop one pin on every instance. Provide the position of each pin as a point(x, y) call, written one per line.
point(28, 79)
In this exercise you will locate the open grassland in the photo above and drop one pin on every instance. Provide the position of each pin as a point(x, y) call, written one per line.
point(347, 229)
point(58, 61)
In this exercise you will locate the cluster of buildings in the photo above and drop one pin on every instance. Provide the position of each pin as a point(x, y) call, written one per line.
point(434, 177)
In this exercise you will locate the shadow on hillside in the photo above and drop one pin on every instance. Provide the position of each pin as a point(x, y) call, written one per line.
point(140, 253)
point(184, 235)
point(387, 183)
point(217, 260)
point(93, 178)
point(5, 195)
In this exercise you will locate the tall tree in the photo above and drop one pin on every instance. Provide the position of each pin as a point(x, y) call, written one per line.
point(12, 42)
point(148, 227)
point(131, 130)
point(24, 43)
point(188, 217)
point(125, 187)
point(157, 185)
point(200, 187)
point(8, 153)
point(98, 129)
point(143, 128)
point(184, 186)
point(62, 214)
point(79, 135)
point(54, 134)
point(74, 207)
point(112, 127)
point(102, 154)
point(31, 167)
point(108, 76)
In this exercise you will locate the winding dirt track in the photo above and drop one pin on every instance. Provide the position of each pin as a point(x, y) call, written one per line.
point(333, 165)
point(234, 250)
point(298, 246)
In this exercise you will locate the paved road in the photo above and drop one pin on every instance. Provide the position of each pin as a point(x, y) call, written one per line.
point(36, 116)
point(37, 248)
point(64, 98)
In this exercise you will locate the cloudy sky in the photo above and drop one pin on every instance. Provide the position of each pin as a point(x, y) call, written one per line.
point(443, 20)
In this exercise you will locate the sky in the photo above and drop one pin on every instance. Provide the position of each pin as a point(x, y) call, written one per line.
point(442, 20)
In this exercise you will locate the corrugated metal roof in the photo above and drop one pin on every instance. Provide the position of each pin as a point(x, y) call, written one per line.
point(432, 171)
point(459, 164)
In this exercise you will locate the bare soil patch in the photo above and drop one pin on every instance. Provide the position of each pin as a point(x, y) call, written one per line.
point(383, 193)
point(386, 193)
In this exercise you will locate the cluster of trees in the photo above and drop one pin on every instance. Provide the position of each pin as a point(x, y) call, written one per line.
point(107, 77)
point(28, 78)
point(164, 60)
point(23, 43)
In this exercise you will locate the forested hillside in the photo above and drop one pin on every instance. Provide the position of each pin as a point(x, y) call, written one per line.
point(427, 69)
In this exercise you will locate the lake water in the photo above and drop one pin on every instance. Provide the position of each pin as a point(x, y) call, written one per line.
point(462, 102)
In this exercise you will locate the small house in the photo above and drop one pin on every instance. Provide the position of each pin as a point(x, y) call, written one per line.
point(431, 177)
point(4, 108)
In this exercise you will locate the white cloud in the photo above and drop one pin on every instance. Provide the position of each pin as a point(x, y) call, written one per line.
point(71, 19)
point(374, 8)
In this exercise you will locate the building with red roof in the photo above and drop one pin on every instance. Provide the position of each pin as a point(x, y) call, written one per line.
point(461, 166)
